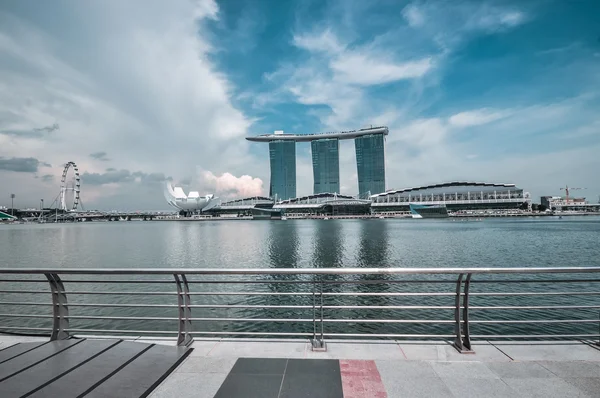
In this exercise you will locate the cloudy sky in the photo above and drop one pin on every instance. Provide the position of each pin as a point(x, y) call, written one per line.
point(136, 92)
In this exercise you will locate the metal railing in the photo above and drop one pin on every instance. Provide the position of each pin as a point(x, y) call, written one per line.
point(532, 303)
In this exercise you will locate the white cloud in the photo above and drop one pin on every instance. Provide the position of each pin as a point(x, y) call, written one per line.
point(413, 15)
point(147, 94)
point(476, 117)
point(368, 69)
point(228, 186)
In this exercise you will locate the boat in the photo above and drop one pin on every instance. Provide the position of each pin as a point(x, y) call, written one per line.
point(283, 218)
point(428, 211)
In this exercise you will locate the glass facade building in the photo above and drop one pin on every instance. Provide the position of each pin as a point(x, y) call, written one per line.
point(326, 165)
point(283, 169)
point(370, 163)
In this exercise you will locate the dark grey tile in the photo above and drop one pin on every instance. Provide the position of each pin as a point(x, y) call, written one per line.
point(327, 367)
point(311, 385)
point(259, 366)
point(250, 386)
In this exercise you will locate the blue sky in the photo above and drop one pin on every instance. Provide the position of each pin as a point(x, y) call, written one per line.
point(495, 91)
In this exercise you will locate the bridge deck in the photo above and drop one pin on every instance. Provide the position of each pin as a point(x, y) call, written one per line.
point(78, 367)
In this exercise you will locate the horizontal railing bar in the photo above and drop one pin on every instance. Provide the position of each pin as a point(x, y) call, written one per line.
point(536, 294)
point(122, 318)
point(25, 291)
point(164, 281)
point(388, 307)
point(498, 281)
point(253, 333)
point(250, 306)
point(386, 321)
point(297, 271)
point(23, 303)
point(310, 282)
point(22, 328)
point(123, 293)
point(537, 321)
point(533, 336)
point(388, 335)
point(123, 305)
point(25, 316)
point(536, 307)
point(122, 331)
point(24, 280)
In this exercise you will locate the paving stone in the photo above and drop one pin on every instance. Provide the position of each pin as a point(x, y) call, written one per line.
point(478, 388)
point(550, 352)
point(260, 366)
point(311, 385)
point(258, 349)
point(358, 351)
point(589, 385)
point(572, 369)
point(545, 388)
point(197, 385)
point(405, 369)
point(470, 370)
point(416, 387)
point(327, 367)
point(206, 365)
point(250, 386)
point(528, 370)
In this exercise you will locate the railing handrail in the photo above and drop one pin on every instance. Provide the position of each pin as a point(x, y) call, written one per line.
point(297, 271)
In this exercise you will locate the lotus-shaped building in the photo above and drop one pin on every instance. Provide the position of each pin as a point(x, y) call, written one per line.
point(190, 202)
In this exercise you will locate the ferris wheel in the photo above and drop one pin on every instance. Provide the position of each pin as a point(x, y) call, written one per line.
point(73, 185)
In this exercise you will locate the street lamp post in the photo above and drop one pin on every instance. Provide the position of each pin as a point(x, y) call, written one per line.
point(12, 204)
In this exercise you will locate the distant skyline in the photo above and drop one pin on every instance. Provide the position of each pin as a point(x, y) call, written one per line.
point(138, 92)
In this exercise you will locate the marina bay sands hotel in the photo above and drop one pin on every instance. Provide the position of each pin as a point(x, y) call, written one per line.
point(370, 160)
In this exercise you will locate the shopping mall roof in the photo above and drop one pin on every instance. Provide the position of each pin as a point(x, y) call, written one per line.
point(342, 135)
point(442, 186)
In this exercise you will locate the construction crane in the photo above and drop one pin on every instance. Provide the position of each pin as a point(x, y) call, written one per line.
point(567, 189)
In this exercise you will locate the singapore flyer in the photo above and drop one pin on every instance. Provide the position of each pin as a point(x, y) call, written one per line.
point(72, 184)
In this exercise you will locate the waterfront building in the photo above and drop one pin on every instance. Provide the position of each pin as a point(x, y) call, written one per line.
point(456, 196)
point(324, 204)
point(370, 163)
point(559, 203)
point(190, 203)
point(370, 160)
point(326, 165)
point(282, 155)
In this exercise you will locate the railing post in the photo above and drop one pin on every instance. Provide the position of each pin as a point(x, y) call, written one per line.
point(457, 326)
point(317, 342)
point(467, 336)
point(184, 336)
point(60, 310)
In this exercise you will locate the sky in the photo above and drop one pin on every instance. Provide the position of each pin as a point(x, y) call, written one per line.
point(140, 92)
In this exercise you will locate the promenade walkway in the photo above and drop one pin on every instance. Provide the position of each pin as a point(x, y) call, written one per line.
point(280, 368)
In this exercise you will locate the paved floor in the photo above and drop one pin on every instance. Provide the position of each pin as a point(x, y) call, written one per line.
point(233, 368)
point(378, 370)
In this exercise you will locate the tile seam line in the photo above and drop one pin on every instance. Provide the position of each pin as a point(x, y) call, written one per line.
point(283, 377)
point(401, 350)
point(212, 348)
point(496, 347)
